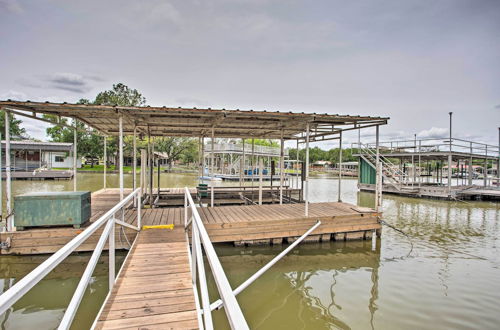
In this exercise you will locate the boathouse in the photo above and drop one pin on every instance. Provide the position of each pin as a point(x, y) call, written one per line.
point(166, 242)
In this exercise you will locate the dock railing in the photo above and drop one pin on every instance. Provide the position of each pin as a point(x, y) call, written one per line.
point(227, 299)
point(108, 221)
point(436, 145)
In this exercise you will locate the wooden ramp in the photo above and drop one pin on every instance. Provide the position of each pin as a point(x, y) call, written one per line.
point(154, 289)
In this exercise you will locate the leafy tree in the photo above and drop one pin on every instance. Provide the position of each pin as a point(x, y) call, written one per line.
point(16, 131)
point(120, 95)
point(175, 147)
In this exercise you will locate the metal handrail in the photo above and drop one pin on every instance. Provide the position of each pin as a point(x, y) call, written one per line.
point(200, 236)
point(228, 296)
point(11, 296)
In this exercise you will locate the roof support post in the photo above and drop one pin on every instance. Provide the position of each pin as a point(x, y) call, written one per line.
point(75, 153)
point(252, 164)
point(105, 162)
point(9, 218)
point(134, 162)
point(378, 174)
point(120, 150)
point(498, 160)
point(212, 159)
point(296, 171)
point(282, 146)
point(261, 169)
point(1, 185)
point(201, 150)
point(242, 164)
point(486, 166)
point(151, 170)
point(470, 167)
point(449, 159)
point(419, 162)
point(306, 183)
point(340, 166)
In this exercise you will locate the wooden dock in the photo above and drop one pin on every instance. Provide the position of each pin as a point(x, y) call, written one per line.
point(241, 224)
point(39, 175)
point(154, 289)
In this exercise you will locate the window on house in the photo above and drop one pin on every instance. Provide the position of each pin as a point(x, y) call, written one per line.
point(59, 159)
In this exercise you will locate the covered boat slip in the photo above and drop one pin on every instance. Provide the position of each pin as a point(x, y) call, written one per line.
point(249, 224)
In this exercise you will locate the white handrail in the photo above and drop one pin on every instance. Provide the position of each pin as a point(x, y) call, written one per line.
point(232, 308)
point(11, 296)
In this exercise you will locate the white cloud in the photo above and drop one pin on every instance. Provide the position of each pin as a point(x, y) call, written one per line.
point(434, 132)
point(14, 95)
point(11, 6)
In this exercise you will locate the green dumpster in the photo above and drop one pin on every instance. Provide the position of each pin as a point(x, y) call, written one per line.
point(44, 209)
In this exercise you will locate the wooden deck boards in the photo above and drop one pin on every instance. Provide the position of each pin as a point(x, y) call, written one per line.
point(154, 290)
point(223, 223)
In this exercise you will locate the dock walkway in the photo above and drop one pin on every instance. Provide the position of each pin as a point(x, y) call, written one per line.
point(154, 289)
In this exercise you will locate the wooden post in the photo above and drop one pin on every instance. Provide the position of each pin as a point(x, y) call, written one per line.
point(105, 162)
point(282, 146)
point(120, 149)
point(212, 169)
point(9, 218)
point(340, 167)
point(261, 169)
point(306, 183)
point(75, 154)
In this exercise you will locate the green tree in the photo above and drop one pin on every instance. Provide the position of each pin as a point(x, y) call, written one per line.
point(175, 147)
point(16, 131)
point(90, 143)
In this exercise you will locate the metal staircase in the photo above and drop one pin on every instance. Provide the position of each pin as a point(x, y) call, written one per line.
point(390, 172)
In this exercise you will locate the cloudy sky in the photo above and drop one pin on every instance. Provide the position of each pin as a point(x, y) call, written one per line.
point(411, 60)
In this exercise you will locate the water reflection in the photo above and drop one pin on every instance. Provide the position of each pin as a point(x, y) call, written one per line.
point(45, 303)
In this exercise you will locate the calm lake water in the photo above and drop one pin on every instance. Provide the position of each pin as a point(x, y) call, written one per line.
point(444, 275)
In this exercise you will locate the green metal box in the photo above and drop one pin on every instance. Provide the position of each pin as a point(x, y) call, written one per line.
point(52, 209)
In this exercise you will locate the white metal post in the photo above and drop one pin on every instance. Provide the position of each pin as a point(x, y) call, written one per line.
point(340, 167)
point(105, 162)
point(306, 183)
point(261, 169)
point(297, 176)
point(282, 146)
point(1, 179)
point(120, 144)
point(75, 153)
point(8, 191)
point(378, 181)
point(139, 209)
point(134, 163)
point(252, 164)
point(212, 182)
point(242, 165)
point(450, 158)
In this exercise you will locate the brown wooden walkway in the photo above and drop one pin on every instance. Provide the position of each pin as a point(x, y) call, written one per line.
point(154, 289)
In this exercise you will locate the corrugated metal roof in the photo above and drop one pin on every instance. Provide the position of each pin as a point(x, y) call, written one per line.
point(193, 122)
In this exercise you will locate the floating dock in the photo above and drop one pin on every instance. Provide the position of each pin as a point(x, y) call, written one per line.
point(240, 224)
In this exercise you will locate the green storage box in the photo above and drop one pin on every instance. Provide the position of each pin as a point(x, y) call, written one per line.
point(43, 209)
